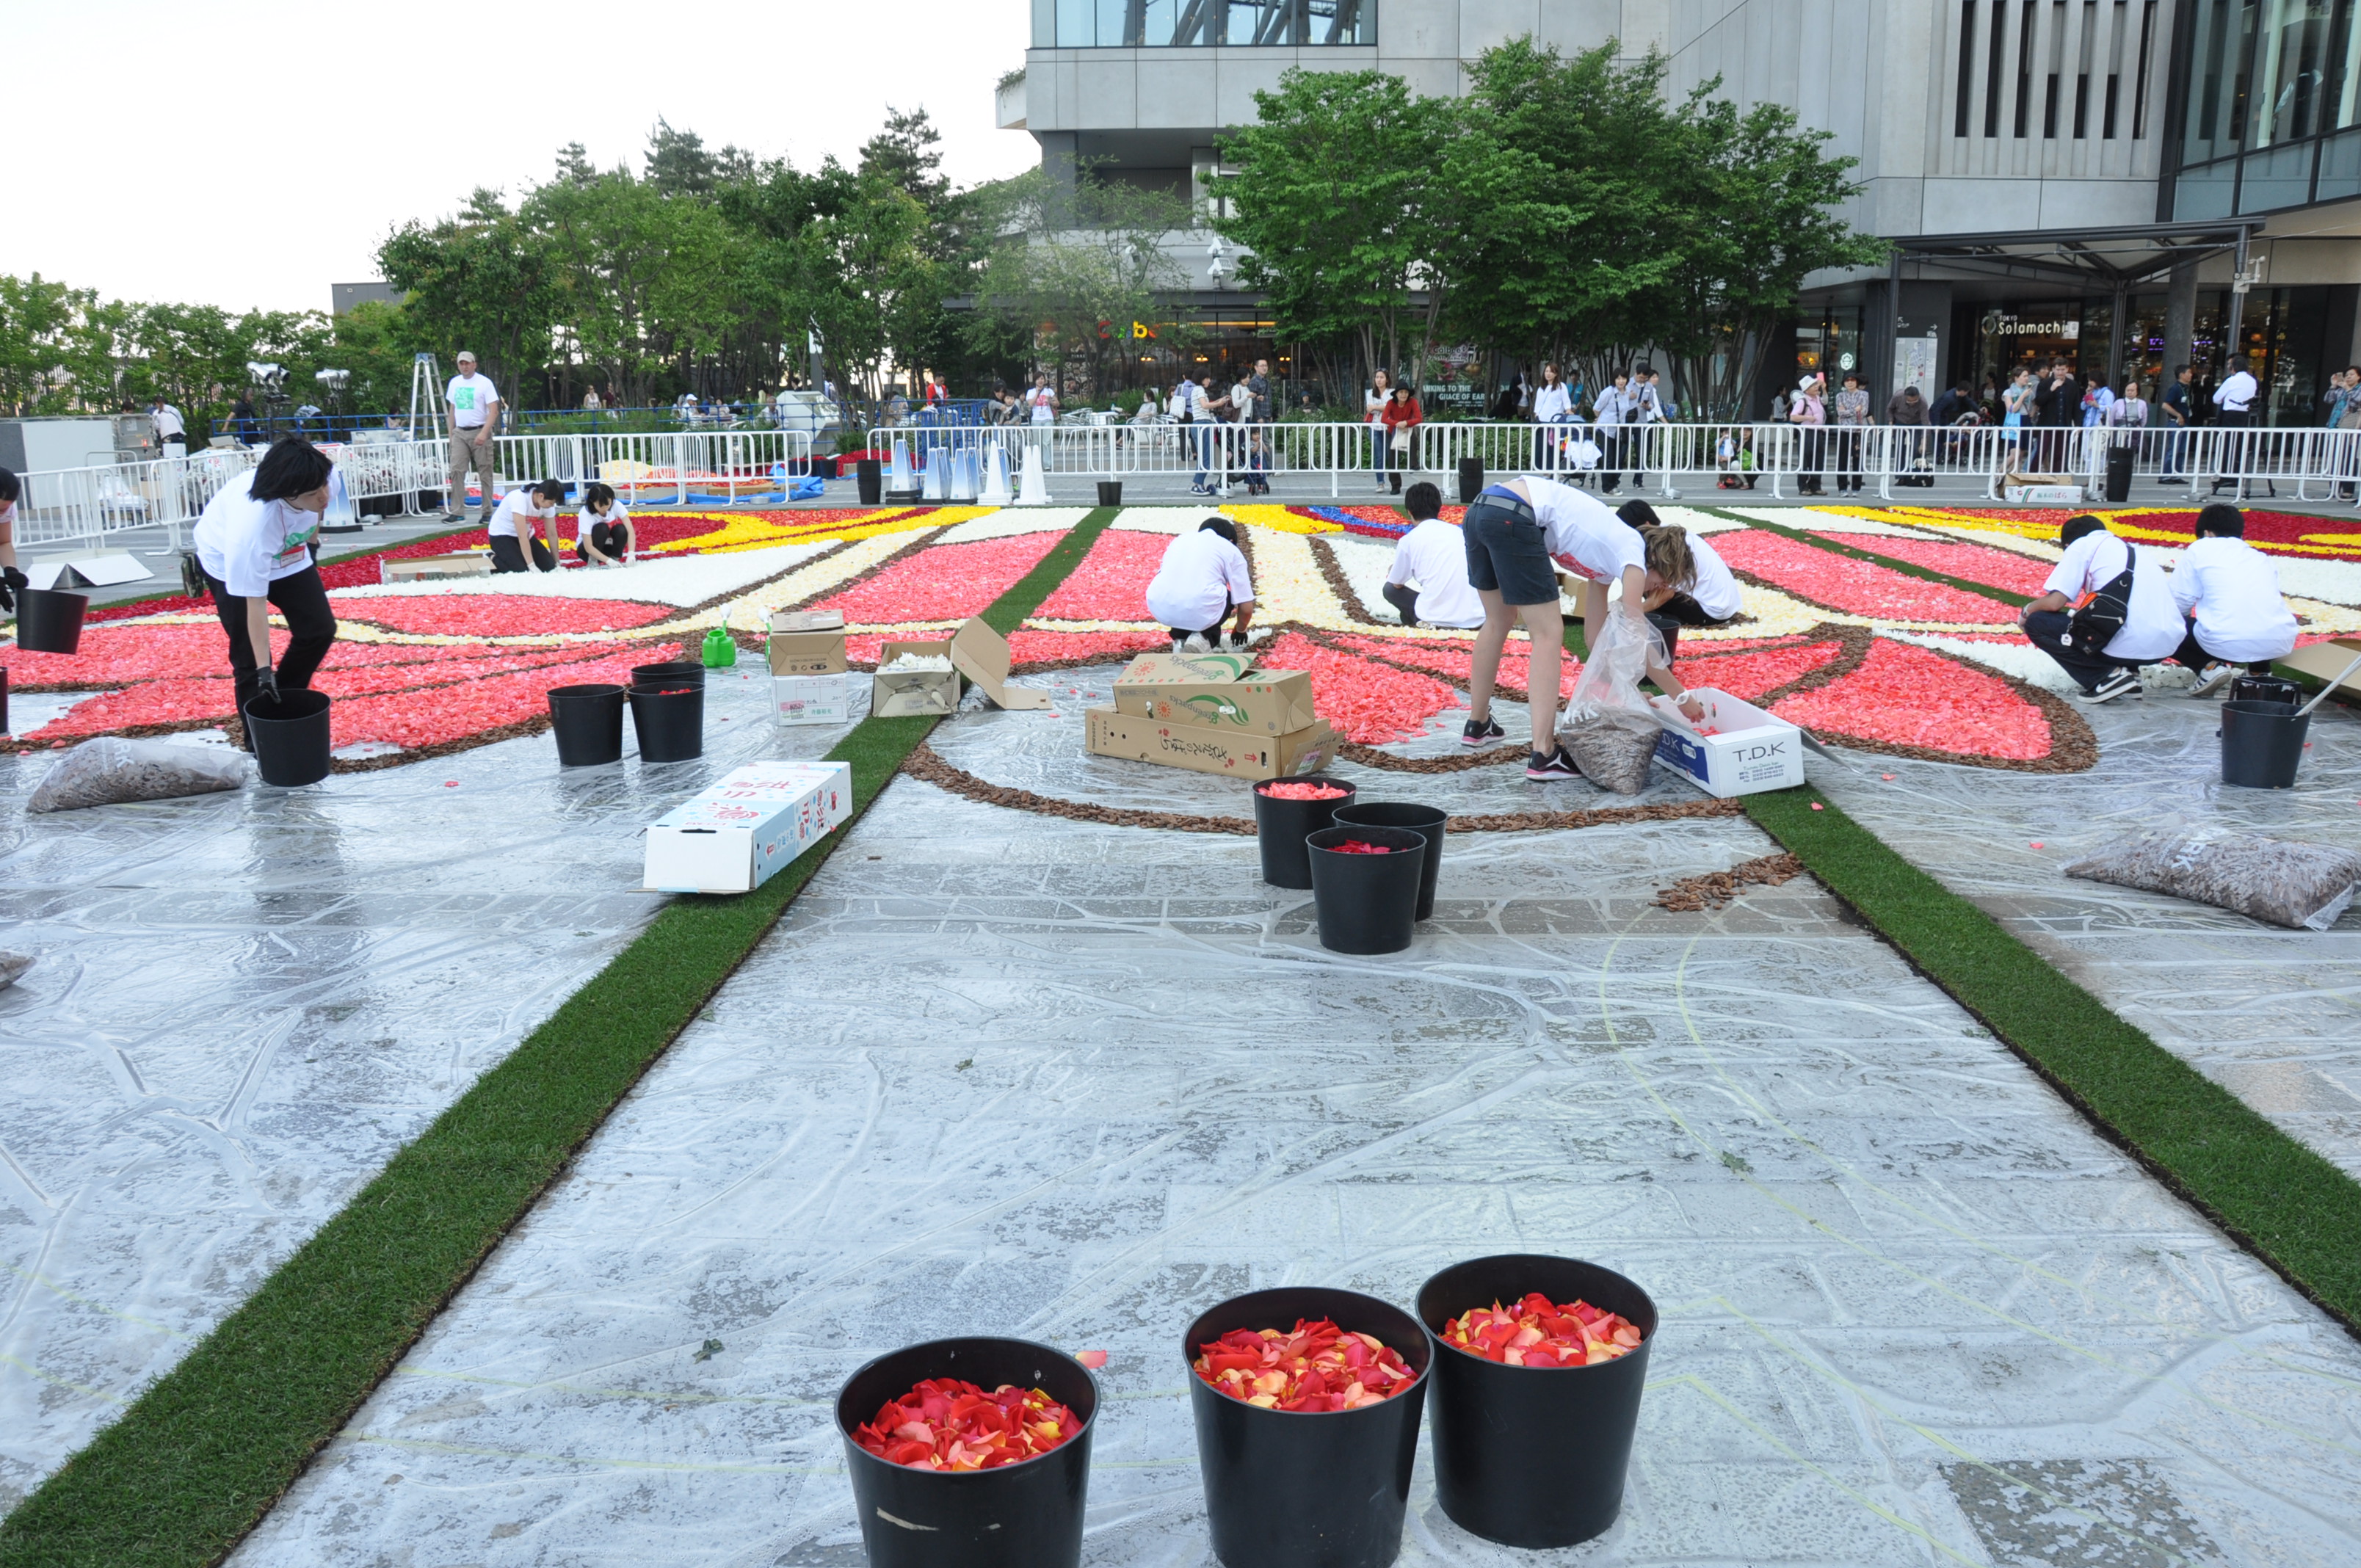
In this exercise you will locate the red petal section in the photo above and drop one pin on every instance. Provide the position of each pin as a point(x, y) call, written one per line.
point(1057, 647)
point(1976, 562)
point(1905, 696)
point(1750, 673)
point(1454, 660)
point(1361, 700)
point(1858, 587)
point(498, 615)
point(1112, 582)
point(946, 582)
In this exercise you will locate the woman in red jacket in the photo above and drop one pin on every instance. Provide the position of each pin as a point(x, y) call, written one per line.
point(1401, 419)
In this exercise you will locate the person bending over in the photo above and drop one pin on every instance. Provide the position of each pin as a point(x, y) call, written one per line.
point(602, 528)
point(1513, 533)
point(257, 543)
point(1200, 584)
point(2094, 564)
point(2230, 593)
point(512, 525)
point(1713, 598)
point(1432, 557)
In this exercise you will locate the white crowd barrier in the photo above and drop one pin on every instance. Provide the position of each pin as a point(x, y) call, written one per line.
point(672, 467)
point(1775, 459)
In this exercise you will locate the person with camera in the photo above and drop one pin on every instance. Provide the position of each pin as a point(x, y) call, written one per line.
point(257, 544)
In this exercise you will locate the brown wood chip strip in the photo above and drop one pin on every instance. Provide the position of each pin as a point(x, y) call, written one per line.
point(1694, 894)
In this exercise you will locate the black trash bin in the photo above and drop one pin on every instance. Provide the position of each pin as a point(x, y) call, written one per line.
point(588, 723)
point(1428, 820)
point(1110, 492)
point(869, 477)
point(671, 673)
point(669, 721)
point(1281, 826)
point(1504, 1466)
point(289, 737)
point(1471, 479)
point(49, 620)
point(2119, 474)
point(2264, 688)
point(2262, 743)
point(1025, 1514)
point(1366, 904)
point(1324, 1490)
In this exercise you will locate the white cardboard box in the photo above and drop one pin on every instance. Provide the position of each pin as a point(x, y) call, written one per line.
point(1753, 751)
point(737, 834)
point(812, 699)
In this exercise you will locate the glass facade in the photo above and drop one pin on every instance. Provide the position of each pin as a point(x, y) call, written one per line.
point(2271, 84)
point(1198, 24)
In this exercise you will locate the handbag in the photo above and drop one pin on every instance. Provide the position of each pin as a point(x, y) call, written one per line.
point(1401, 442)
point(2101, 613)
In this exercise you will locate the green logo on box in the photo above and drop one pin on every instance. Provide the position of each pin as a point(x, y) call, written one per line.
point(1212, 710)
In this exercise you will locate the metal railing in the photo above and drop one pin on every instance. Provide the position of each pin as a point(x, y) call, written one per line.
point(707, 465)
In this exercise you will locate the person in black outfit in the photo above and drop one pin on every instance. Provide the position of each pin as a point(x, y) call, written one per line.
point(2060, 405)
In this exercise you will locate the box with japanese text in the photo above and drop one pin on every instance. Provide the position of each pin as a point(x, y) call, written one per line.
point(1114, 733)
point(740, 831)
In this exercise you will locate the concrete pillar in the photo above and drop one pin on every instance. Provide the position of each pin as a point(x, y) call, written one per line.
point(2179, 318)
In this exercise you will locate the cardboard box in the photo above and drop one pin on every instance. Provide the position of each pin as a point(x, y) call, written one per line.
point(1753, 751)
point(1113, 733)
point(1258, 702)
point(2046, 494)
point(812, 699)
point(975, 651)
point(806, 653)
point(735, 835)
point(806, 620)
point(2326, 661)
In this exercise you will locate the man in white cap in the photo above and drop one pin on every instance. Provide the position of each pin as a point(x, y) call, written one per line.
point(475, 420)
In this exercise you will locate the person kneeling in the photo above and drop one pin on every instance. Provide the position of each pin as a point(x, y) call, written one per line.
point(2122, 602)
point(602, 528)
point(512, 527)
point(2230, 592)
point(1711, 599)
point(1200, 584)
point(1431, 557)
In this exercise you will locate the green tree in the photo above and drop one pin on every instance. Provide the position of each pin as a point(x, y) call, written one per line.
point(45, 358)
point(485, 281)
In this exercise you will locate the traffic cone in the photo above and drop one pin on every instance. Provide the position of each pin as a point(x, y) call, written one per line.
point(1036, 490)
point(996, 478)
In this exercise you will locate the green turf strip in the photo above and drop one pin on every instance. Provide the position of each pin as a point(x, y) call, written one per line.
point(2285, 1203)
point(198, 1458)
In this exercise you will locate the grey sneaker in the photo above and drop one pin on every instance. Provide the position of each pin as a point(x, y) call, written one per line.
point(2212, 678)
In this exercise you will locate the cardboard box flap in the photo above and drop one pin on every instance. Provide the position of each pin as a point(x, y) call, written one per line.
point(2328, 661)
point(806, 620)
point(982, 655)
point(1184, 669)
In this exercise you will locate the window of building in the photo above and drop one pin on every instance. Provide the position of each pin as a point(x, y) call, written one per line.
point(2272, 84)
point(1994, 51)
point(1176, 24)
point(2024, 64)
point(1966, 67)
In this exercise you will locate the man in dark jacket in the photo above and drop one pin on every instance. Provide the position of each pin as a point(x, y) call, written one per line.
point(2059, 406)
point(1906, 411)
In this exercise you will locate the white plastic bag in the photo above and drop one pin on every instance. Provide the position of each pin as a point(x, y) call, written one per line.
point(108, 772)
point(1611, 731)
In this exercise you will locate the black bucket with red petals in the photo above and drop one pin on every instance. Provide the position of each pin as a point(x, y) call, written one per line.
point(1016, 1513)
point(671, 673)
point(1316, 1488)
point(1533, 1455)
point(1364, 884)
point(1286, 811)
point(1432, 821)
point(669, 721)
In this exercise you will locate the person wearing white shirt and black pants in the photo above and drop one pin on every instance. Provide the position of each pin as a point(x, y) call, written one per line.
point(2230, 592)
point(475, 409)
point(256, 544)
point(1712, 597)
point(1433, 556)
point(168, 425)
point(511, 528)
point(1553, 404)
point(2151, 629)
point(1201, 582)
point(2233, 399)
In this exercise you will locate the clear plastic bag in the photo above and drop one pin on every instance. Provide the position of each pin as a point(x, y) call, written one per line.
point(1609, 730)
point(2292, 884)
point(108, 772)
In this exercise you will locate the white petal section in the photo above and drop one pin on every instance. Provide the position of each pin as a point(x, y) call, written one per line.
point(1824, 519)
point(680, 580)
point(2020, 659)
point(1009, 522)
point(1289, 584)
point(1162, 519)
point(1697, 521)
point(1366, 563)
point(752, 613)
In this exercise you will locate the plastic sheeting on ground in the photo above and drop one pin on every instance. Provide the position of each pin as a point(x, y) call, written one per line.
point(2273, 1015)
point(1004, 1073)
point(245, 1003)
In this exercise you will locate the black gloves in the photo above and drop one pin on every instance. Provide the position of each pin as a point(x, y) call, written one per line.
point(266, 683)
point(11, 580)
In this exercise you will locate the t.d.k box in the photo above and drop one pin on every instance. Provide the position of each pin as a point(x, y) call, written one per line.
point(1752, 752)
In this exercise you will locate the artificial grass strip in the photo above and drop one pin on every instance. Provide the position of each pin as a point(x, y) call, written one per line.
point(2279, 1198)
point(196, 1460)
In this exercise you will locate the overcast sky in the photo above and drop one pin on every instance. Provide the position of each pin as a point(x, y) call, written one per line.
point(256, 155)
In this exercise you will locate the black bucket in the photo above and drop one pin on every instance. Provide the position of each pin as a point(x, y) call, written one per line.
point(2262, 743)
point(1110, 492)
point(669, 721)
point(1324, 1490)
point(869, 476)
point(589, 722)
point(673, 673)
point(2264, 688)
point(1471, 479)
point(289, 737)
point(1281, 826)
point(1367, 904)
point(1427, 819)
point(49, 620)
point(1504, 1466)
point(1026, 1515)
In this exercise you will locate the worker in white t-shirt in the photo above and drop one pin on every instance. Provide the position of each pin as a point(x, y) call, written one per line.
point(1201, 583)
point(168, 424)
point(1040, 401)
point(2233, 399)
point(475, 409)
point(1428, 582)
point(1713, 599)
point(2230, 593)
point(255, 543)
point(512, 525)
point(603, 534)
point(2151, 627)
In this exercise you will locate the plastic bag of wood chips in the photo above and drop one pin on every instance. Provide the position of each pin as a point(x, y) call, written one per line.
point(107, 772)
point(2297, 885)
point(1609, 730)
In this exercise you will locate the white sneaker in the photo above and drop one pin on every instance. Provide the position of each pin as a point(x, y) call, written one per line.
point(1177, 646)
point(1197, 643)
point(2211, 678)
point(2119, 683)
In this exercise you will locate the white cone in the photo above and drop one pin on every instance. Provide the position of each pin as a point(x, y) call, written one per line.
point(898, 472)
point(1036, 490)
point(996, 478)
point(932, 487)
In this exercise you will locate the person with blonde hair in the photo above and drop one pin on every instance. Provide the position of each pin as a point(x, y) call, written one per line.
point(1703, 593)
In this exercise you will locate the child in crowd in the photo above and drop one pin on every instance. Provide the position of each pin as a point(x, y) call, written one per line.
point(1711, 599)
point(1431, 557)
point(1201, 582)
point(602, 528)
point(511, 528)
point(2230, 593)
point(1512, 534)
point(2094, 562)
